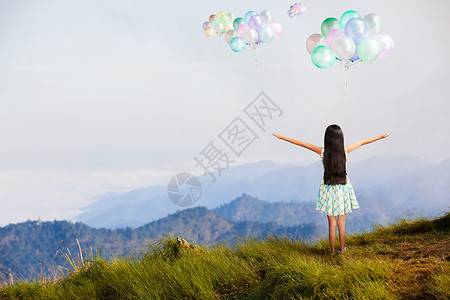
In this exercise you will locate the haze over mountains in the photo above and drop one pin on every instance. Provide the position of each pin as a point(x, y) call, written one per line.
point(386, 187)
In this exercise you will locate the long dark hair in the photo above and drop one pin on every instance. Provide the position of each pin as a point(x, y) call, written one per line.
point(334, 156)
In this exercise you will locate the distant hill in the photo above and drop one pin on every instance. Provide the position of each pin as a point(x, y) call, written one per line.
point(389, 186)
point(249, 208)
point(29, 249)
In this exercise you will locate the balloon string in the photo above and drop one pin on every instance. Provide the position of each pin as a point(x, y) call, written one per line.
point(347, 69)
point(256, 57)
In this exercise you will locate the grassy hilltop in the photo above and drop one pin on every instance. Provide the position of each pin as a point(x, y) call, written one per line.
point(405, 260)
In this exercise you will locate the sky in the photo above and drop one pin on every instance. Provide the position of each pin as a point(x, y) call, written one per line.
point(109, 96)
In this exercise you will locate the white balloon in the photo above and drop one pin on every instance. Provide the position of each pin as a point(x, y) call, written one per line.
point(230, 35)
point(229, 27)
point(267, 16)
point(232, 16)
point(343, 47)
point(250, 35)
point(219, 28)
point(374, 23)
point(314, 40)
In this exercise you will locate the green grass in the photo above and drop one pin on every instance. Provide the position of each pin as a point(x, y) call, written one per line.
point(404, 260)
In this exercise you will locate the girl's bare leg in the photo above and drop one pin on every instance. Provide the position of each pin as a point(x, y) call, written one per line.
point(341, 226)
point(332, 231)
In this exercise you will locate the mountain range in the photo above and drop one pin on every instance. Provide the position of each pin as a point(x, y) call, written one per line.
point(386, 188)
point(30, 249)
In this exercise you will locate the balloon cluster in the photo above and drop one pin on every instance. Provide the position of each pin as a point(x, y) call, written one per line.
point(218, 24)
point(252, 29)
point(349, 39)
point(296, 10)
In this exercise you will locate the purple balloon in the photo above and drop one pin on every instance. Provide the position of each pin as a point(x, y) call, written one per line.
point(355, 57)
point(256, 22)
point(387, 44)
point(356, 28)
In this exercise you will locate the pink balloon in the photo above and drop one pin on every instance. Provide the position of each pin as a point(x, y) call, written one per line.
point(332, 35)
point(387, 44)
point(277, 27)
point(241, 29)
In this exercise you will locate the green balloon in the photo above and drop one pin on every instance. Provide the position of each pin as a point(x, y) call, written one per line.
point(323, 57)
point(224, 19)
point(349, 14)
point(330, 24)
point(369, 49)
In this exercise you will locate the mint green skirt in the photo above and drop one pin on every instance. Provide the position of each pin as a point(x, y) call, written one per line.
point(335, 200)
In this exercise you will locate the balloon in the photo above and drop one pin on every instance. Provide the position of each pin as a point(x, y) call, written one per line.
point(267, 16)
point(369, 49)
point(209, 31)
point(238, 22)
point(343, 47)
point(212, 18)
point(229, 27)
point(231, 16)
point(206, 24)
point(355, 56)
point(350, 14)
point(296, 10)
point(313, 41)
point(229, 35)
point(323, 57)
point(266, 34)
point(303, 9)
point(356, 28)
point(332, 35)
point(256, 22)
point(218, 27)
point(237, 44)
point(329, 24)
point(374, 23)
point(278, 29)
point(249, 14)
point(224, 19)
point(387, 44)
point(219, 14)
point(241, 29)
point(250, 35)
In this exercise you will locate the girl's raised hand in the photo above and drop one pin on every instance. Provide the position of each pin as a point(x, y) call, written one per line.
point(277, 135)
point(385, 135)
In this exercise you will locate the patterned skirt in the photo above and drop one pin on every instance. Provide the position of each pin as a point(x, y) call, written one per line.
point(335, 200)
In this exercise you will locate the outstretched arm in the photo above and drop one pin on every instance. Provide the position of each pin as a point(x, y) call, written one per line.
point(366, 141)
point(311, 147)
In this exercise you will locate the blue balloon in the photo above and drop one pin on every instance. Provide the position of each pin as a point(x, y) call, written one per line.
point(348, 15)
point(237, 44)
point(357, 29)
point(249, 14)
point(266, 34)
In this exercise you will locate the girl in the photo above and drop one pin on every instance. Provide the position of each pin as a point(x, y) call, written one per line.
point(336, 196)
